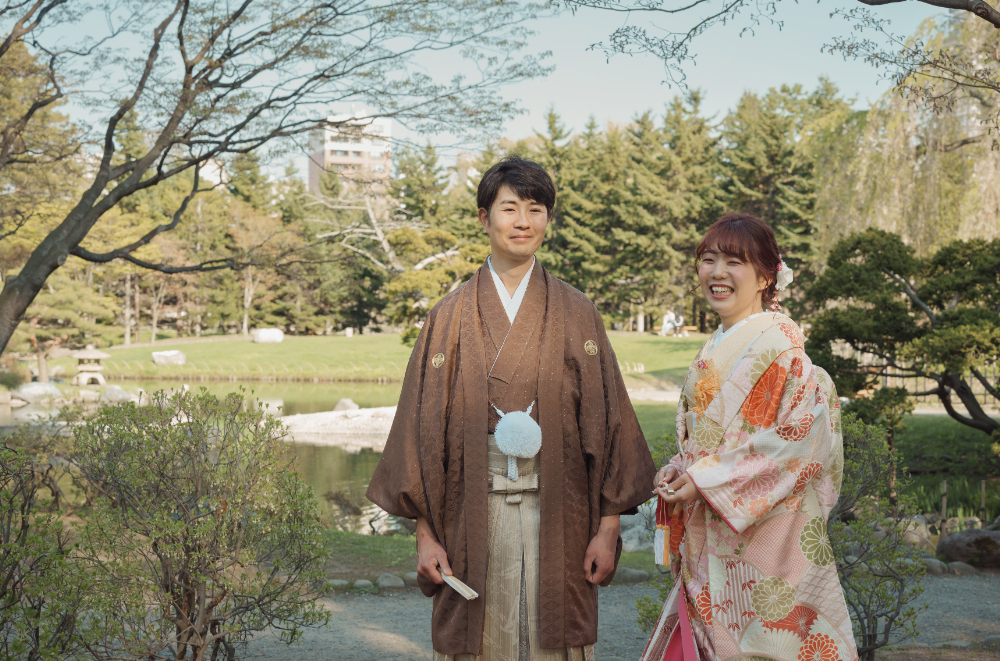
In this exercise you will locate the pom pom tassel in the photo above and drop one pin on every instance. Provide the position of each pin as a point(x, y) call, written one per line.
point(512, 468)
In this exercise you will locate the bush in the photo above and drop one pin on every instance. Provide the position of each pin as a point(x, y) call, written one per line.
point(43, 592)
point(879, 572)
point(202, 534)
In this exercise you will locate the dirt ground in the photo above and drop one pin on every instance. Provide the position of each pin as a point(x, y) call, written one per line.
point(396, 627)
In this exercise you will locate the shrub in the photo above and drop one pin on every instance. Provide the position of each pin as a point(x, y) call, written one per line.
point(202, 534)
point(879, 572)
point(43, 591)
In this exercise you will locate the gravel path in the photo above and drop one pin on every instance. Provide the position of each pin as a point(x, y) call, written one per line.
point(397, 627)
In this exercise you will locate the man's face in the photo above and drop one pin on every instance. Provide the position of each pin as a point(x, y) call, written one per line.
point(516, 227)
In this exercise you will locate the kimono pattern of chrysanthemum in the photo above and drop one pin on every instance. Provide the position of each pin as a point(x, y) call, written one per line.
point(759, 430)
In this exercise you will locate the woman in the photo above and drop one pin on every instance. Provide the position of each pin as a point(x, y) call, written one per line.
point(743, 507)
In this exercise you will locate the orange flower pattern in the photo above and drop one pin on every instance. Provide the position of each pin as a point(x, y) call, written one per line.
point(761, 406)
point(807, 474)
point(798, 621)
point(819, 647)
point(793, 333)
point(759, 507)
point(797, 431)
point(704, 604)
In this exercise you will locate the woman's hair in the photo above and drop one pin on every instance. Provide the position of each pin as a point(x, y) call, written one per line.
point(749, 239)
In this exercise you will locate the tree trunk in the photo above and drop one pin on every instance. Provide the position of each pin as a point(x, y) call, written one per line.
point(43, 367)
point(128, 309)
point(138, 312)
point(248, 287)
point(154, 314)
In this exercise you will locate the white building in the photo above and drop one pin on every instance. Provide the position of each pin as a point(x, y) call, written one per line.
point(357, 149)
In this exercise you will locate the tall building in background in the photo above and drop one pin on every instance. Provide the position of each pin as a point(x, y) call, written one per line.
point(359, 149)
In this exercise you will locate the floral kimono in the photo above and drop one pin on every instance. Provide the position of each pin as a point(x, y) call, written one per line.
point(759, 432)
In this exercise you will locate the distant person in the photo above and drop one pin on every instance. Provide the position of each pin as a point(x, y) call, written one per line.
point(679, 326)
point(514, 446)
point(669, 323)
point(742, 509)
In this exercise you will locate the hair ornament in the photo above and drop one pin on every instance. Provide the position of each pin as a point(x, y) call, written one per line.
point(785, 276)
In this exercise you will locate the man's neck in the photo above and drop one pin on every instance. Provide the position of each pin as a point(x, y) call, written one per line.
point(511, 270)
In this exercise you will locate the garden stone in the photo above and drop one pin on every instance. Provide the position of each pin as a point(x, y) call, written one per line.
point(962, 569)
point(991, 641)
point(116, 395)
point(267, 335)
point(411, 579)
point(89, 395)
point(172, 357)
point(626, 575)
point(34, 391)
point(390, 582)
point(634, 535)
point(968, 523)
point(954, 643)
point(363, 584)
point(346, 404)
point(935, 567)
point(983, 545)
point(339, 584)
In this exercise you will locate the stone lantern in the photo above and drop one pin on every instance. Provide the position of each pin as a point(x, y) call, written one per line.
point(89, 367)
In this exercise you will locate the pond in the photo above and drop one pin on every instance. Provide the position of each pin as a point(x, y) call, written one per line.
point(338, 477)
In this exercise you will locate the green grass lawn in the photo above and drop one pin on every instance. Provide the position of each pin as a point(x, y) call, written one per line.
point(360, 358)
point(666, 359)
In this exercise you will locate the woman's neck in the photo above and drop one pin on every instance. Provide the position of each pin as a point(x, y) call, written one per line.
point(732, 320)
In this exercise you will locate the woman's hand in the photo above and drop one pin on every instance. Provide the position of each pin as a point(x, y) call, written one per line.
point(432, 559)
point(664, 476)
point(684, 490)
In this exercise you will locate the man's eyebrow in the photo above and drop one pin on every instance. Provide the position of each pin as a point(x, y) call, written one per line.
point(509, 201)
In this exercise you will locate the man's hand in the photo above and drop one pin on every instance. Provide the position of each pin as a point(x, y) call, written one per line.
point(684, 490)
point(432, 559)
point(600, 558)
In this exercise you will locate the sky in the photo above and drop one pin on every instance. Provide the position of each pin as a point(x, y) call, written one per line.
point(585, 82)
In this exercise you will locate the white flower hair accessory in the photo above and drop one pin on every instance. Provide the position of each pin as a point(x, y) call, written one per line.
point(785, 277)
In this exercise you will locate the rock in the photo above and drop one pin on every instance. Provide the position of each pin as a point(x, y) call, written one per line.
point(991, 641)
point(339, 584)
point(390, 582)
point(116, 395)
point(411, 579)
point(935, 567)
point(626, 575)
point(172, 357)
point(89, 395)
point(962, 569)
point(953, 643)
point(966, 545)
point(346, 404)
point(635, 537)
point(34, 391)
point(362, 584)
point(954, 524)
point(267, 335)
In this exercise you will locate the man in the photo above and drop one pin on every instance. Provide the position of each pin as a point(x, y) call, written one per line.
point(532, 534)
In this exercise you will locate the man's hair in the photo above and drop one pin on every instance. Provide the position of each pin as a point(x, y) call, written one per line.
point(528, 179)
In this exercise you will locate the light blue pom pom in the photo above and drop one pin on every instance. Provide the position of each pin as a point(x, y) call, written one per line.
point(517, 435)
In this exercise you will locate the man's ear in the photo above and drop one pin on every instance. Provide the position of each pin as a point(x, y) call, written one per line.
point(484, 219)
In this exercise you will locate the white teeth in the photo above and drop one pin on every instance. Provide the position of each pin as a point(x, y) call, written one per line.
point(721, 289)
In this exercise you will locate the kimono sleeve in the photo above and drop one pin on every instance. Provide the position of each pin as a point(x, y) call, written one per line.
point(628, 466)
point(783, 438)
point(397, 486)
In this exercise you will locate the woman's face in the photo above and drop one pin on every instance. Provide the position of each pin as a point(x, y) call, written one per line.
point(731, 286)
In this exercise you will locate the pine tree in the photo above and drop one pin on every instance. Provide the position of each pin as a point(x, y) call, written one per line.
point(420, 184)
point(768, 169)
